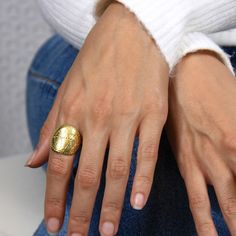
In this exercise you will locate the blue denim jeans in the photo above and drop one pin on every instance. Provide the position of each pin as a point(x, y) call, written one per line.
point(167, 212)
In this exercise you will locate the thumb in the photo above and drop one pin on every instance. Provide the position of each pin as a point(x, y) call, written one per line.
point(41, 152)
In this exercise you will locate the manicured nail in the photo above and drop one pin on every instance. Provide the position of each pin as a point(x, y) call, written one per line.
point(138, 201)
point(53, 226)
point(108, 229)
point(31, 158)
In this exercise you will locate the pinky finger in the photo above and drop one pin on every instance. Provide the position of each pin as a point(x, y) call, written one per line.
point(199, 203)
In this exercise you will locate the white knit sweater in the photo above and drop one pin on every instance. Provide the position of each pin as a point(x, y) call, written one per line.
point(177, 26)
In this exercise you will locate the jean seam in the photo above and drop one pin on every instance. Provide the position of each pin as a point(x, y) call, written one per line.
point(44, 78)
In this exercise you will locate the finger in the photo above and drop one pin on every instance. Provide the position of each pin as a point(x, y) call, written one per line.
point(225, 188)
point(199, 202)
point(149, 138)
point(41, 152)
point(58, 176)
point(87, 182)
point(121, 145)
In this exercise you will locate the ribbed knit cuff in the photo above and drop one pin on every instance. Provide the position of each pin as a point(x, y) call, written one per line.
point(169, 21)
point(193, 42)
point(156, 16)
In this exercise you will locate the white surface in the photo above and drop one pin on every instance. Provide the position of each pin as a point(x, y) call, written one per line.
point(21, 197)
point(22, 31)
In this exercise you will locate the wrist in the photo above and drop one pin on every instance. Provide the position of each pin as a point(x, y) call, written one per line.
point(120, 26)
point(202, 69)
point(201, 58)
point(118, 14)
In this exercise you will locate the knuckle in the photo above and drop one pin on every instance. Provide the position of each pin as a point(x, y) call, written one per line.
point(229, 207)
point(88, 178)
point(128, 111)
point(159, 108)
point(81, 219)
point(198, 202)
point(67, 110)
point(58, 166)
point(118, 168)
point(148, 150)
point(207, 148)
point(101, 109)
point(70, 108)
point(144, 179)
point(229, 142)
point(53, 202)
point(112, 207)
point(225, 178)
point(205, 227)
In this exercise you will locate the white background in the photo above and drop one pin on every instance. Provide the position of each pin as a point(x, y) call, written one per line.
point(22, 31)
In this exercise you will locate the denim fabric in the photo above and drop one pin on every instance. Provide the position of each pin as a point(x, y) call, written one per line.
point(167, 212)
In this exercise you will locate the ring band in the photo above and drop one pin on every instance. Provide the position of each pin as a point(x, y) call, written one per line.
point(66, 140)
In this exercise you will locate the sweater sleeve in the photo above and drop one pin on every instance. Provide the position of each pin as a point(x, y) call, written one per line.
point(193, 42)
point(71, 19)
point(168, 22)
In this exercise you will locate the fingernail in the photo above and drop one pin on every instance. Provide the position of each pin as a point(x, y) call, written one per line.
point(53, 226)
point(138, 201)
point(108, 229)
point(31, 158)
point(75, 234)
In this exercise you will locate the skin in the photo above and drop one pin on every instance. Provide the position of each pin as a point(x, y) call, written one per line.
point(118, 88)
point(202, 131)
point(110, 95)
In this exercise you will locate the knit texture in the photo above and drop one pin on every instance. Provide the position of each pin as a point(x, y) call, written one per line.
point(168, 22)
point(193, 42)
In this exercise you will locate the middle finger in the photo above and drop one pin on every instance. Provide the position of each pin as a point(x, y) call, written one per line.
point(87, 181)
point(121, 145)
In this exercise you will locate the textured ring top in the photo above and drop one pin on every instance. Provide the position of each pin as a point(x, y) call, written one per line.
point(66, 140)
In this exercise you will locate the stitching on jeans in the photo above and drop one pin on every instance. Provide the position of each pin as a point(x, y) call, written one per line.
point(37, 76)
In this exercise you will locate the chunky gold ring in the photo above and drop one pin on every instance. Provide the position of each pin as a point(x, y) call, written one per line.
point(66, 140)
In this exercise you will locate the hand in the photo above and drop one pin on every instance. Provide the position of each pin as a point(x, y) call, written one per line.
point(116, 88)
point(202, 131)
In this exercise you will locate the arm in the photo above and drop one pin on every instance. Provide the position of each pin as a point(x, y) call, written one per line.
point(201, 130)
point(194, 42)
point(110, 95)
point(75, 23)
point(169, 21)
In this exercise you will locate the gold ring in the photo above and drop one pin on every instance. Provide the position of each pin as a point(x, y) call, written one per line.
point(66, 140)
